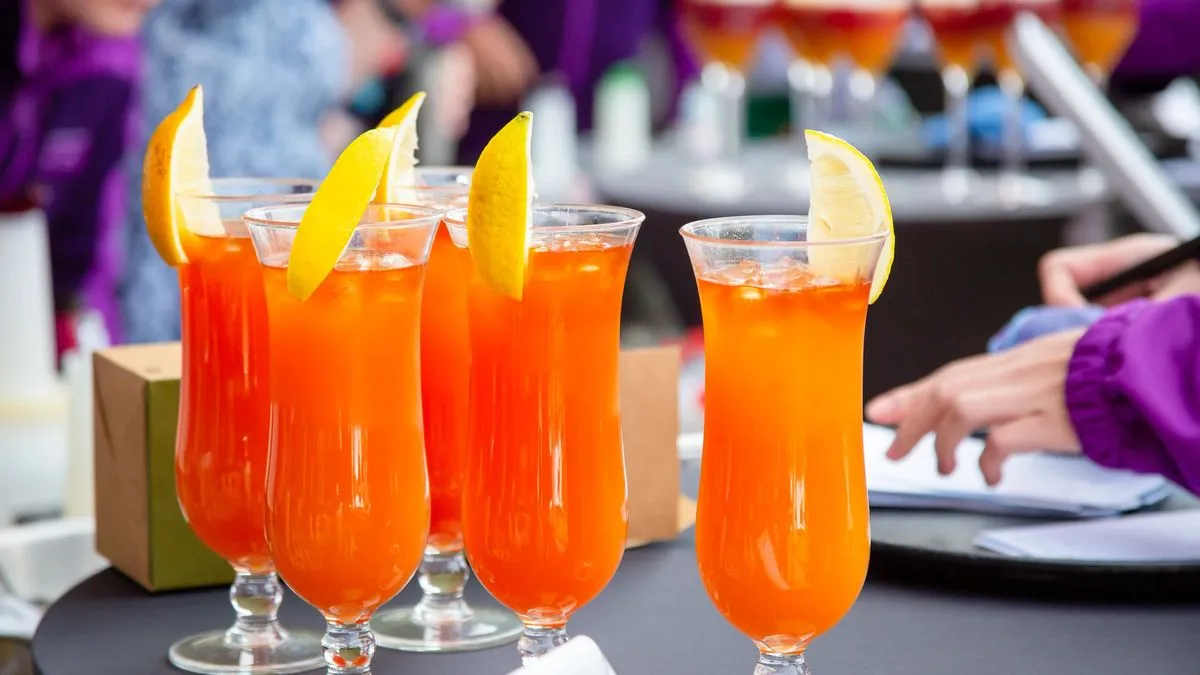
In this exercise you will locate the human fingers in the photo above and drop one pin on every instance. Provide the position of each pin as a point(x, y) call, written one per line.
point(1029, 433)
point(1064, 272)
point(980, 405)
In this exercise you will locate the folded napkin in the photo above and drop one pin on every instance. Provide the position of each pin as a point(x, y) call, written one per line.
point(580, 656)
point(1165, 536)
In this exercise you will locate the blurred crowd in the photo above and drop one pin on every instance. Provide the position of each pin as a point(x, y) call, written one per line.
point(287, 84)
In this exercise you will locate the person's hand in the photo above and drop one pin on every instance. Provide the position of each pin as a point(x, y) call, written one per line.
point(505, 67)
point(1017, 396)
point(1066, 271)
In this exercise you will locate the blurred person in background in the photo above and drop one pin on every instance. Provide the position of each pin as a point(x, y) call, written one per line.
point(1122, 386)
point(519, 42)
point(1165, 44)
point(69, 85)
point(276, 75)
point(1118, 381)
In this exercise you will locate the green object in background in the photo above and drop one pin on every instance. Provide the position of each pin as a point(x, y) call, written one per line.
point(768, 115)
point(178, 559)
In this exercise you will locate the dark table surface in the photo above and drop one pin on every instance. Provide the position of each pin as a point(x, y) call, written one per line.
point(656, 618)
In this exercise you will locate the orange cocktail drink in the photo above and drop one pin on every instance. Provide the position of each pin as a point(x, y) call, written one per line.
point(544, 492)
point(959, 29)
point(1100, 31)
point(782, 529)
point(998, 15)
point(347, 491)
point(725, 31)
point(865, 31)
point(221, 445)
point(442, 621)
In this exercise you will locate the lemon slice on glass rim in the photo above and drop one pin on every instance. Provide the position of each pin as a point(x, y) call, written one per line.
point(177, 162)
point(500, 208)
point(363, 173)
point(848, 201)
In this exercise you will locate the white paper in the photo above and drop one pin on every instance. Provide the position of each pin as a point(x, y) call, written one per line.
point(1032, 484)
point(1168, 536)
point(580, 656)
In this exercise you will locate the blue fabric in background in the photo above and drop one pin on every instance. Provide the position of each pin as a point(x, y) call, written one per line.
point(1034, 322)
point(986, 107)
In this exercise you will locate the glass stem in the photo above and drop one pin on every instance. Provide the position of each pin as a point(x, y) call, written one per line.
point(348, 648)
point(537, 641)
point(255, 599)
point(1090, 178)
point(781, 664)
point(800, 86)
point(733, 112)
point(1012, 164)
point(958, 125)
point(442, 577)
point(863, 86)
point(821, 105)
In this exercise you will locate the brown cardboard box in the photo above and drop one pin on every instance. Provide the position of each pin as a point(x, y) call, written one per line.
point(650, 425)
point(140, 529)
point(139, 526)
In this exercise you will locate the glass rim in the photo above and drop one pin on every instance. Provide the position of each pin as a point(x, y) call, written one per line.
point(419, 216)
point(689, 231)
point(449, 168)
point(456, 218)
point(258, 197)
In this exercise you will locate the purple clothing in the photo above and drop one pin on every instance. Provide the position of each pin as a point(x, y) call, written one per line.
point(66, 106)
point(1133, 389)
point(579, 40)
point(1166, 43)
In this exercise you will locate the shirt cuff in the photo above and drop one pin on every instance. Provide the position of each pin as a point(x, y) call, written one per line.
point(1105, 420)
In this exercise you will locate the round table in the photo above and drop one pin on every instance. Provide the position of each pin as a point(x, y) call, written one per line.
point(655, 618)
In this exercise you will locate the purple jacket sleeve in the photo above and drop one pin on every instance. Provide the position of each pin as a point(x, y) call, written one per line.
point(1133, 389)
point(1166, 44)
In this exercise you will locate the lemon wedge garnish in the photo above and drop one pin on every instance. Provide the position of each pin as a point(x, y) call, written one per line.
point(500, 208)
point(337, 208)
point(848, 201)
point(401, 168)
point(177, 162)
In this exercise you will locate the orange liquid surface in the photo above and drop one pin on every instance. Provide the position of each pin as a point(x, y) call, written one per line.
point(347, 494)
point(726, 34)
point(782, 530)
point(1100, 30)
point(445, 364)
point(544, 495)
point(822, 34)
point(221, 448)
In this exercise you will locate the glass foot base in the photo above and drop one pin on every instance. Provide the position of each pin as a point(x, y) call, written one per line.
point(212, 654)
point(485, 628)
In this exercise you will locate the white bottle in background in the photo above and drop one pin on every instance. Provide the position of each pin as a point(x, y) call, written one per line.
point(33, 409)
point(622, 121)
point(27, 340)
point(555, 145)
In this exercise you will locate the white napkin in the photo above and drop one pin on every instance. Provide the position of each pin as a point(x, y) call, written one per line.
point(1167, 536)
point(580, 656)
point(1036, 484)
